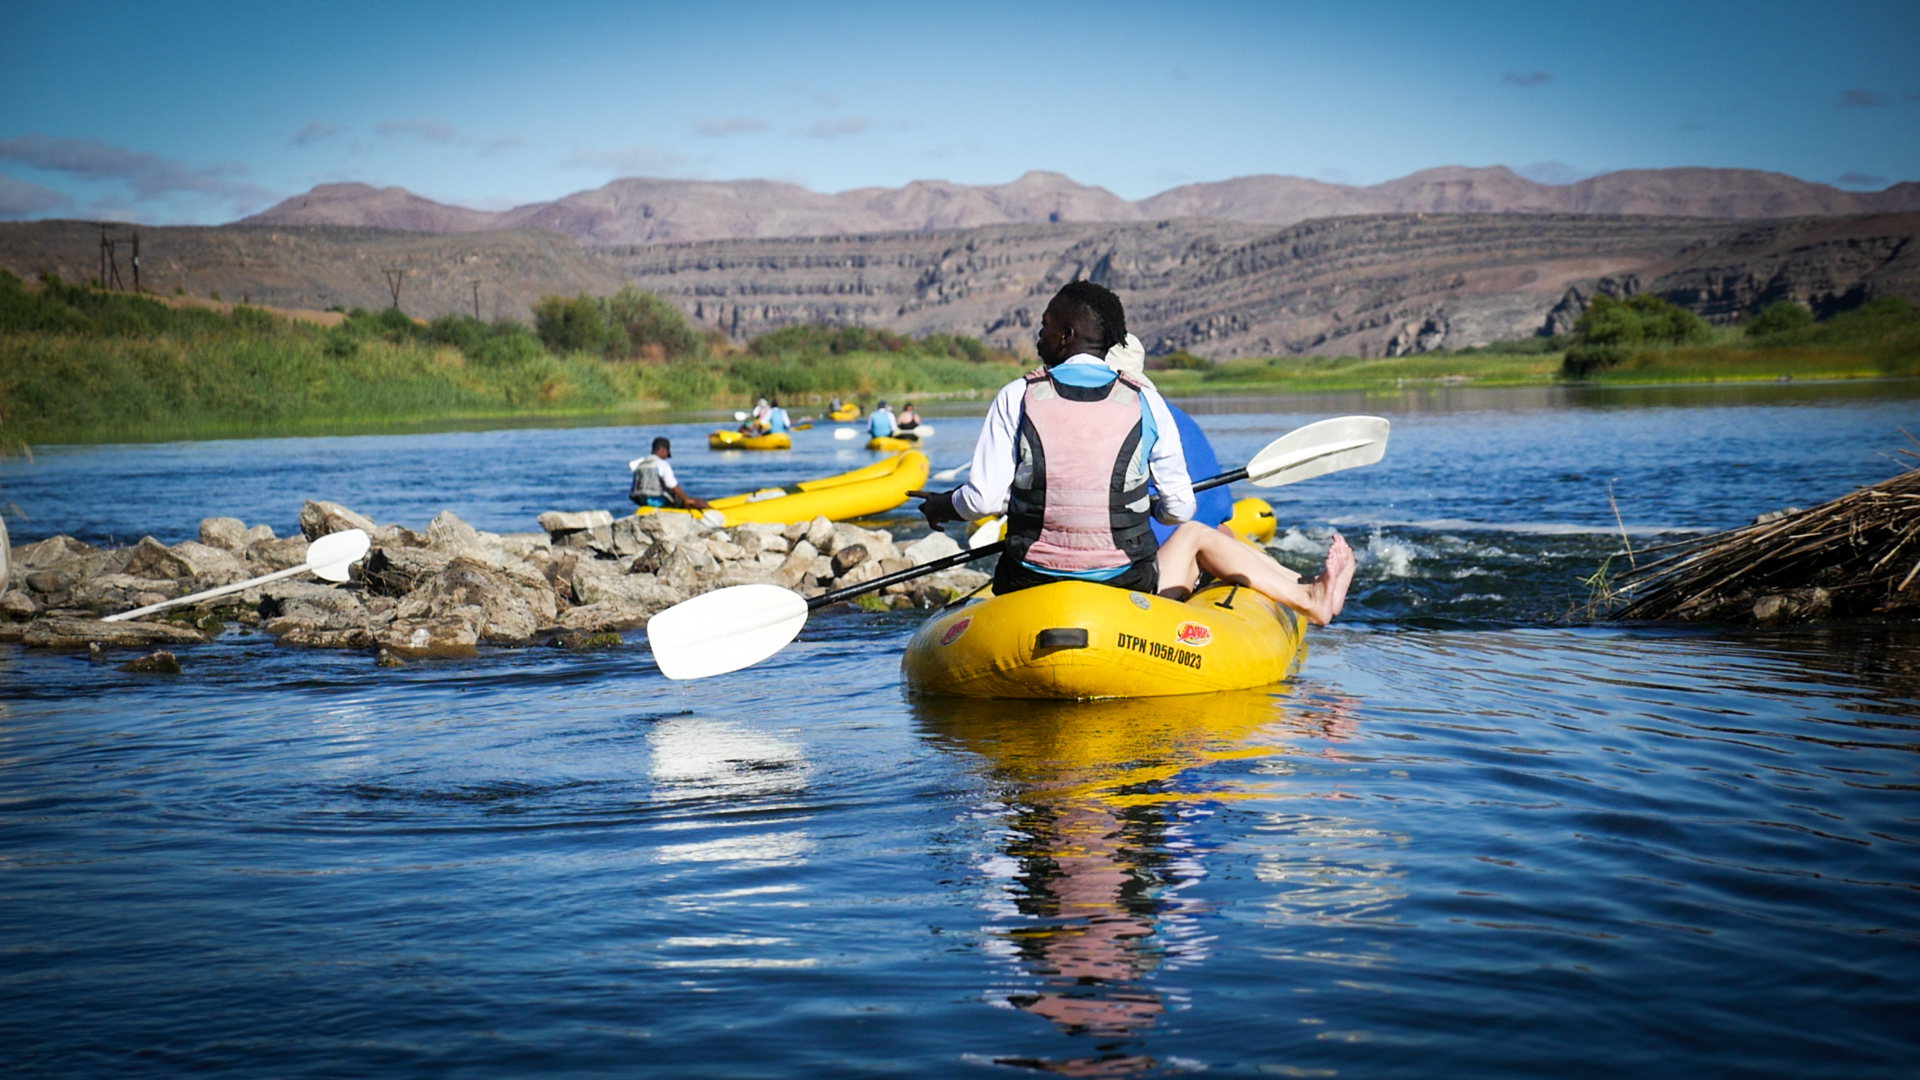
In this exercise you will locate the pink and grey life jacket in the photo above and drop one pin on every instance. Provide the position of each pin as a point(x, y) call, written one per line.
point(1079, 498)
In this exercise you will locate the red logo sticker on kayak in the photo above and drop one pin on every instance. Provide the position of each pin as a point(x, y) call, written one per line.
point(953, 632)
point(1194, 634)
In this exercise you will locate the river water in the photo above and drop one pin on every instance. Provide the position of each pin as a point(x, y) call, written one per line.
point(1471, 837)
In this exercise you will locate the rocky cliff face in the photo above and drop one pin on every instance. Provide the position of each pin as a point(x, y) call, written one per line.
point(1830, 265)
point(1371, 285)
point(317, 267)
point(1223, 289)
point(653, 211)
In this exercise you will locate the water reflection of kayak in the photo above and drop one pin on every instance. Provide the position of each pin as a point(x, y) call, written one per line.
point(873, 489)
point(733, 440)
point(1075, 639)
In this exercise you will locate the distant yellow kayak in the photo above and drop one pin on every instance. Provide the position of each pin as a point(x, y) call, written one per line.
point(891, 444)
point(733, 440)
point(874, 489)
point(850, 412)
point(1252, 520)
point(1075, 639)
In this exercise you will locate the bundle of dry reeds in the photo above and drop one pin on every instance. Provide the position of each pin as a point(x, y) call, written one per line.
point(1856, 555)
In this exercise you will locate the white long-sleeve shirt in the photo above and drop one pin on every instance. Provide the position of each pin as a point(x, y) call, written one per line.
point(994, 456)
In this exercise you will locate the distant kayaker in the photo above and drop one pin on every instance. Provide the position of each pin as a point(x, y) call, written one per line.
point(881, 425)
point(654, 483)
point(908, 418)
point(1068, 451)
point(777, 418)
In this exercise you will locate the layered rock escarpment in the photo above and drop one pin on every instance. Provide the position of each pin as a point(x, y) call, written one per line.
point(1345, 285)
point(446, 590)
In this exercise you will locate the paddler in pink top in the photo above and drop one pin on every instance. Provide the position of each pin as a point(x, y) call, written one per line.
point(1067, 451)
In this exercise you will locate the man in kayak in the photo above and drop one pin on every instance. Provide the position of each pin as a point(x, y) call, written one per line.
point(1211, 507)
point(880, 425)
point(777, 420)
point(1068, 451)
point(654, 483)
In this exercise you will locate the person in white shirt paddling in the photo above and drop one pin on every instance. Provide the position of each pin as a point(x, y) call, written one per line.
point(654, 483)
point(1067, 451)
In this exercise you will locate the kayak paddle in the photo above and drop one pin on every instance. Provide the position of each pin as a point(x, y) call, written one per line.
point(329, 557)
point(741, 625)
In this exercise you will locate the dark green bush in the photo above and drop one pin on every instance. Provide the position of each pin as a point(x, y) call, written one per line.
point(1778, 318)
point(655, 329)
point(1611, 331)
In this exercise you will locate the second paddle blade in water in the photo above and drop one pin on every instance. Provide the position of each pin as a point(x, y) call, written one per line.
point(725, 630)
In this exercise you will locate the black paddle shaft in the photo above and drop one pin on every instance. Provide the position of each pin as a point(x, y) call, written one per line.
point(961, 558)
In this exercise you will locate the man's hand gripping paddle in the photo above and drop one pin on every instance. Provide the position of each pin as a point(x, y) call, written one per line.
point(737, 627)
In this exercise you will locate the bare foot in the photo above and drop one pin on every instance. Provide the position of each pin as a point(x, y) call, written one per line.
point(1338, 575)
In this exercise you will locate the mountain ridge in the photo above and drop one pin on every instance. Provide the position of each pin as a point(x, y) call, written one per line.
point(649, 210)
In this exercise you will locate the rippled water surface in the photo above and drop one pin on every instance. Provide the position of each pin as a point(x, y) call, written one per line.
point(1468, 839)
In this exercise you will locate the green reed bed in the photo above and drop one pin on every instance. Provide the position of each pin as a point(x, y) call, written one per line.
point(80, 364)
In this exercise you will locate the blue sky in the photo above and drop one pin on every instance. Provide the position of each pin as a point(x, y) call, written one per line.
point(200, 113)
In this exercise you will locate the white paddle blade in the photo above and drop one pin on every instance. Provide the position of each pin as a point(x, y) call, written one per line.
point(739, 415)
point(845, 434)
point(725, 630)
point(946, 476)
point(924, 431)
point(1344, 442)
point(332, 554)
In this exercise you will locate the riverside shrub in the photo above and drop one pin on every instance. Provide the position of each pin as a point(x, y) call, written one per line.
point(1611, 331)
point(1778, 318)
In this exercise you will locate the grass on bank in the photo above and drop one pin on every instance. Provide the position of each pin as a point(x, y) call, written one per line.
point(1639, 341)
point(81, 364)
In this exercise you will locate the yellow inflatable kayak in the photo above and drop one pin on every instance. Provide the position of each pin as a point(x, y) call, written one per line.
point(850, 412)
point(1075, 639)
point(891, 444)
point(1252, 520)
point(733, 440)
point(877, 488)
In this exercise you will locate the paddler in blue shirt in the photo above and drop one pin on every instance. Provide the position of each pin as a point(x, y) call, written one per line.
point(880, 425)
point(1068, 450)
point(777, 418)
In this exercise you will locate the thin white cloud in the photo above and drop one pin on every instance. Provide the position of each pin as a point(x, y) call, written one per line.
point(23, 198)
point(148, 176)
point(1528, 78)
point(835, 127)
point(314, 132)
point(638, 160)
point(718, 126)
point(428, 131)
point(1864, 99)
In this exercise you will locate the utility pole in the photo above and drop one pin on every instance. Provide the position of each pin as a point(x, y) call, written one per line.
point(394, 276)
point(476, 299)
point(110, 258)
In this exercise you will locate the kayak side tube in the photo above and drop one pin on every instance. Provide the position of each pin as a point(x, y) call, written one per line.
point(1082, 640)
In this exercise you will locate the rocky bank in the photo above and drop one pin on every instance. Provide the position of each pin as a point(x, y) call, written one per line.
point(445, 590)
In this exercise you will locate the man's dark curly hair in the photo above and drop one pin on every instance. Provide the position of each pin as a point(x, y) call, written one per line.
point(1109, 317)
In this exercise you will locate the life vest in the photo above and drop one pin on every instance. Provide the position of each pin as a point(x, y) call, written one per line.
point(1079, 498)
point(646, 483)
